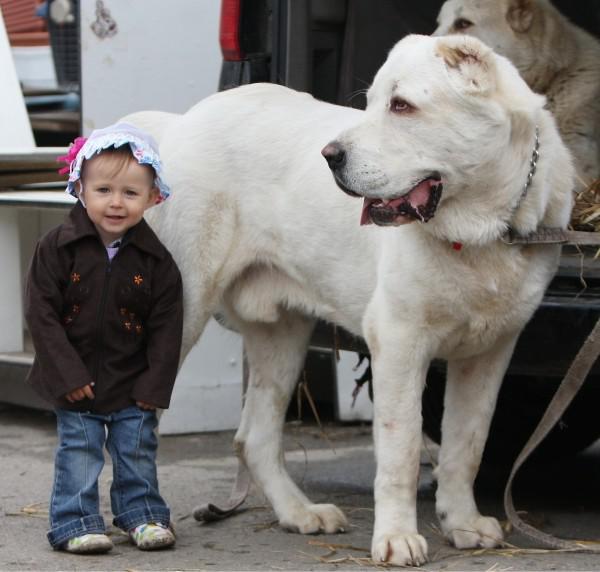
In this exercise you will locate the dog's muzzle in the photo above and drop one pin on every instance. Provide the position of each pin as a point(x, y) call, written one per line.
point(335, 155)
point(418, 203)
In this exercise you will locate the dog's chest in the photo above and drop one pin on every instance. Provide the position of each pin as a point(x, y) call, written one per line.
point(476, 300)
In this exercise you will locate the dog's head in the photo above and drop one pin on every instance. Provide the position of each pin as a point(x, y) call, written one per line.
point(448, 131)
point(513, 28)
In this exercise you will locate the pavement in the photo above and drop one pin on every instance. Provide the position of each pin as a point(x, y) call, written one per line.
point(561, 498)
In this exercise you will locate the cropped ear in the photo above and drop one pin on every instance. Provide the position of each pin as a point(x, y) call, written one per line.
point(520, 15)
point(469, 61)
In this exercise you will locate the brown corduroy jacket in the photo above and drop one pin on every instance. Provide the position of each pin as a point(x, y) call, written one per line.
point(117, 324)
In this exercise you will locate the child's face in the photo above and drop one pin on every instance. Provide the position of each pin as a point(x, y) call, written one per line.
point(116, 193)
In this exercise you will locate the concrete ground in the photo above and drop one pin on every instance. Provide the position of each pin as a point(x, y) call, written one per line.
point(563, 499)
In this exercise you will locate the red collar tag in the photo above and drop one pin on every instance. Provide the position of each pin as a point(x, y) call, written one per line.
point(457, 245)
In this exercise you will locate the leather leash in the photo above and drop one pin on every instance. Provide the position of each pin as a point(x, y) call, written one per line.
point(210, 512)
point(241, 487)
point(570, 385)
point(549, 235)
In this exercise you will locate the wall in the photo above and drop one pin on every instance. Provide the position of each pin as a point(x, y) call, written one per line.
point(164, 55)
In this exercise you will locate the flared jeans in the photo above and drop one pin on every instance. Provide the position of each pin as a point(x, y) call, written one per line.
point(130, 438)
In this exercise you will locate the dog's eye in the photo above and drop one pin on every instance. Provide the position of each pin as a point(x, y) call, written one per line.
point(462, 24)
point(399, 105)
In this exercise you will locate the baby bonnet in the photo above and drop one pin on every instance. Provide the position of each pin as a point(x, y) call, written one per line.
point(143, 148)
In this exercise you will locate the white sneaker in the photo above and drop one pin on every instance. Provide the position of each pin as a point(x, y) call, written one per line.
point(152, 536)
point(88, 544)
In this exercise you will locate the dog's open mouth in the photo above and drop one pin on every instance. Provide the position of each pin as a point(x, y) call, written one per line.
point(419, 203)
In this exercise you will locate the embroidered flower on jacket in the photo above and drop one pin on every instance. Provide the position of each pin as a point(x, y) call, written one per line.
point(75, 277)
point(138, 279)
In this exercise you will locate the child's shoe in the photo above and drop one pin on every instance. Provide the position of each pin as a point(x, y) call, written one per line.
point(88, 544)
point(152, 536)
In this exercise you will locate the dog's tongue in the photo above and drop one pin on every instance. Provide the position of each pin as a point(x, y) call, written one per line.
point(418, 196)
point(365, 217)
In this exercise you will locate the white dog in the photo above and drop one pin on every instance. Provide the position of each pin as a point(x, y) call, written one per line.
point(555, 57)
point(257, 225)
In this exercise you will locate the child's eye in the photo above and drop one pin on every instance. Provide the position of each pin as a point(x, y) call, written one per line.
point(102, 190)
point(131, 193)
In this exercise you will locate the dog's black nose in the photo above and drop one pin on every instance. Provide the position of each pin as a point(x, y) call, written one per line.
point(334, 155)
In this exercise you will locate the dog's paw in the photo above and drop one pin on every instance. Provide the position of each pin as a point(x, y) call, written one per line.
point(316, 518)
point(399, 549)
point(477, 532)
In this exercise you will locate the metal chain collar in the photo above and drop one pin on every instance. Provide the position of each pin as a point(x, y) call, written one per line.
point(546, 235)
point(535, 155)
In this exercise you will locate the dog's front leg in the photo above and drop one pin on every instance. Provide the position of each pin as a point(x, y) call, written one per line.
point(471, 392)
point(399, 369)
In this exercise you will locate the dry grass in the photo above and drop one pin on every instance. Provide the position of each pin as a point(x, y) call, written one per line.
point(333, 556)
point(586, 211)
point(36, 510)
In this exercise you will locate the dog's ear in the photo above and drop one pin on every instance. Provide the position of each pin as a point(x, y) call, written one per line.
point(470, 61)
point(520, 15)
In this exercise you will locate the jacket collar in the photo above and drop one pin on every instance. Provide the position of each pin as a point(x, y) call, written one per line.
point(78, 225)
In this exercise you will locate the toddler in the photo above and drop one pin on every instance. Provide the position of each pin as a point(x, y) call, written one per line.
point(104, 306)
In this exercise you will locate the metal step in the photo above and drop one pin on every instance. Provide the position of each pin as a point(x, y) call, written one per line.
point(17, 358)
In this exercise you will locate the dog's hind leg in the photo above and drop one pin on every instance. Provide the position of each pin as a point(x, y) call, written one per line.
point(275, 353)
point(471, 392)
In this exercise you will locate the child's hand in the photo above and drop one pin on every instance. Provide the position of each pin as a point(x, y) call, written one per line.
point(146, 406)
point(80, 393)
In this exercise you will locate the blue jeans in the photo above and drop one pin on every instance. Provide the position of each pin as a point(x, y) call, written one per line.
point(129, 436)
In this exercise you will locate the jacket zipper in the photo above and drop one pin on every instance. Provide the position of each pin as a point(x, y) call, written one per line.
point(100, 327)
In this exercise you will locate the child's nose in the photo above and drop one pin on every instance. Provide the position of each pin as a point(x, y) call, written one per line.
point(116, 199)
